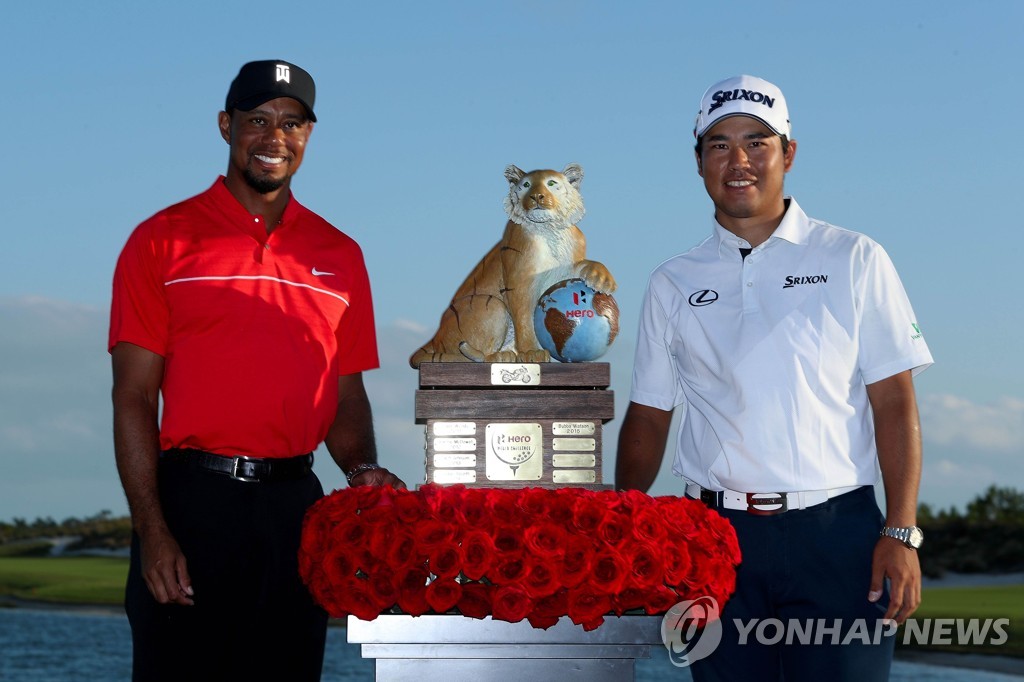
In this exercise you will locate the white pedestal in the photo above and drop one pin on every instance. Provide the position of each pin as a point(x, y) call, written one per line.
point(452, 648)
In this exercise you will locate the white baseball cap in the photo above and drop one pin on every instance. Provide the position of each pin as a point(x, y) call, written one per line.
point(743, 96)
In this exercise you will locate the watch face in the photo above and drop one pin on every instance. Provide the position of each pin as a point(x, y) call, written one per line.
point(916, 537)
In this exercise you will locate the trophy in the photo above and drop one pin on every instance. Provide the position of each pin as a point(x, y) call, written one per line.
point(509, 391)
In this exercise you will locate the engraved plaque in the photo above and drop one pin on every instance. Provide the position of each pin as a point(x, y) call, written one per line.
point(454, 428)
point(514, 452)
point(577, 444)
point(573, 476)
point(515, 373)
point(455, 444)
point(445, 476)
point(578, 461)
point(572, 429)
point(458, 461)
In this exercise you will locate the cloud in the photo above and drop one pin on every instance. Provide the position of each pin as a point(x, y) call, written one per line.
point(955, 421)
point(969, 446)
point(57, 455)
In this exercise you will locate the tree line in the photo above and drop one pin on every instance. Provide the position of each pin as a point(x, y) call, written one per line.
point(987, 537)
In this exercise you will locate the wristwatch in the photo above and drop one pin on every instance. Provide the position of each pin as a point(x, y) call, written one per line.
point(911, 536)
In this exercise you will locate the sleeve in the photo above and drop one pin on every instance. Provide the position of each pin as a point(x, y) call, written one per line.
point(891, 340)
point(138, 310)
point(357, 333)
point(655, 382)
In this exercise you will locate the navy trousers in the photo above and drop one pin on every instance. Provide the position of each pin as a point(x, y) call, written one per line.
point(253, 618)
point(801, 598)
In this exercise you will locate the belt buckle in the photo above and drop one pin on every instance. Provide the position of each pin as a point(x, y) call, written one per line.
point(776, 502)
point(234, 473)
point(711, 498)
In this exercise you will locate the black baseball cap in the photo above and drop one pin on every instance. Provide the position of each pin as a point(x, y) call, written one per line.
point(262, 81)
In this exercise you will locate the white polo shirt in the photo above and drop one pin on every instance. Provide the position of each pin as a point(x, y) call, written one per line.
point(770, 356)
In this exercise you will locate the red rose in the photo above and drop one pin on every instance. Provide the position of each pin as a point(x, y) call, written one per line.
point(649, 526)
point(646, 567)
point(633, 499)
point(409, 507)
point(725, 535)
point(338, 566)
point(587, 606)
point(612, 528)
point(508, 571)
point(541, 581)
point(511, 603)
point(402, 553)
point(350, 531)
point(629, 599)
point(383, 586)
point(412, 592)
point(587, 514)
point(676, 557)
point(535, 501)
point(661, 599)
point(477, 554)
point(545, 540)
point(473, 512)
point(367, 496)
point(552, 606)
point(576, 561)
point(444, 561)
point(475, 601)
point(358, 600)
point(508, 539)
point(502, 506)
point(443, 594)
point(432, 533)
point(560, 507)
point(608, 572)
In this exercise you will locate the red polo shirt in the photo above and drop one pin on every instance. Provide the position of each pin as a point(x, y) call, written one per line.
point(254, 329)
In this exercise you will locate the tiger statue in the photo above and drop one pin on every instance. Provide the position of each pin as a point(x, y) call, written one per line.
point(490, 317)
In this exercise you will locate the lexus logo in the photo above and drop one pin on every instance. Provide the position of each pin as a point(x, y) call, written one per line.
point(705, 297)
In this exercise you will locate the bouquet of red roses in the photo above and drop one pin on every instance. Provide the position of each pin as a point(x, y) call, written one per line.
point(531, 553)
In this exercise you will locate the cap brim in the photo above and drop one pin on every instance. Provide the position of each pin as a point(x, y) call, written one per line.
point(250, 103)
point(739, 113)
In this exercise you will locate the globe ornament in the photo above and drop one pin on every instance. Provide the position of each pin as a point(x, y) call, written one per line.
point(575, 323)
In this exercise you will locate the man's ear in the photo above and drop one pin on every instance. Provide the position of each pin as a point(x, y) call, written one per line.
point(790, 155)
point(224, 123)
point(700, 168)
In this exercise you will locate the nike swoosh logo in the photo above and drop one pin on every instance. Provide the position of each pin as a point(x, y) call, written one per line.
point(320, 273)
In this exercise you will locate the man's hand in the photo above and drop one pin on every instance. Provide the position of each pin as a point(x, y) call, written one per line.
point(379, 476)
point(899, 563)
point(164, 569)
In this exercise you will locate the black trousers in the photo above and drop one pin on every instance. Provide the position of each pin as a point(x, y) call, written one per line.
point(801, 598)
point(253, 618)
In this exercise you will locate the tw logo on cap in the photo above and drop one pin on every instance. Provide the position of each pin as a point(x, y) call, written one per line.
point(283, 73)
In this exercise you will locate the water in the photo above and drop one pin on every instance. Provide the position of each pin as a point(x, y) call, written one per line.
point(69, 646)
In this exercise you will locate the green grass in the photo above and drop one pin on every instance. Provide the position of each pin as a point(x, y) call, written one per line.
point(1004, 601)
point(100, 580)
point(67, 580)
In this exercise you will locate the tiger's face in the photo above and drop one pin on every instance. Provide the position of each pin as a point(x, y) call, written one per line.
point(544, 197)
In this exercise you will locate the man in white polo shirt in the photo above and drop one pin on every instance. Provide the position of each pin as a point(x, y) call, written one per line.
point(791, 345)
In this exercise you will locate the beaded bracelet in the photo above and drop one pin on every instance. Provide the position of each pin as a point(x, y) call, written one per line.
point(361, 469)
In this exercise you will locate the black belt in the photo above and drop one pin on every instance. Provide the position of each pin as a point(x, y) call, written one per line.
point(250, 469)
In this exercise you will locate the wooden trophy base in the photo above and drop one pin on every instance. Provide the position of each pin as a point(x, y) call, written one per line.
point(515, 425)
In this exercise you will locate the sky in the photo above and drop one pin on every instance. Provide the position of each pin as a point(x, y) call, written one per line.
point(900, 111)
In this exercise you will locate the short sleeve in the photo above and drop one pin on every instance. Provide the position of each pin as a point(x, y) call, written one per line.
point(891, 340)
point(138, 311)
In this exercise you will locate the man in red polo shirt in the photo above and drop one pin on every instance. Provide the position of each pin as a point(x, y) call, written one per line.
point(251, 317)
